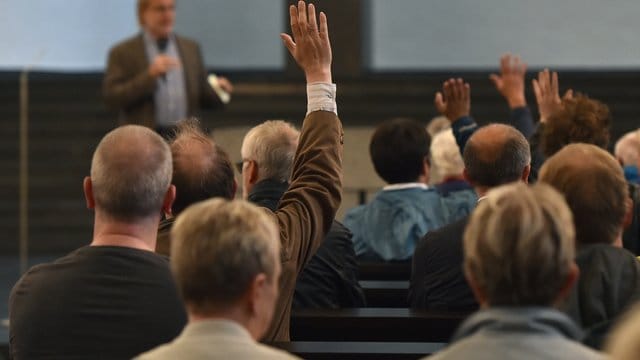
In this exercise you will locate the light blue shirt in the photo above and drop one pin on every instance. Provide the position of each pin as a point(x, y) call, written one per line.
point(170, 97)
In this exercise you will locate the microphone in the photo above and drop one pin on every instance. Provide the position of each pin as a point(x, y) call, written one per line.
point(162, 48)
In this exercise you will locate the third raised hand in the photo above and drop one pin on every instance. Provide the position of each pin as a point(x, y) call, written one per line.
point(310, 45)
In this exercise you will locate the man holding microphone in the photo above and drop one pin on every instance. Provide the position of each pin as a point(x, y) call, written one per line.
point(157, 78)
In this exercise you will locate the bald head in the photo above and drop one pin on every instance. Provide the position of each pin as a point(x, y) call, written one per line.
point(201, 169)
point(496, 154)
point(131, 173)
point(593, 184)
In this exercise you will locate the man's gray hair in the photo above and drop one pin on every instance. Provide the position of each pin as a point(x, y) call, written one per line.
point(218, 247)
point(520, 244)
point(627, 149)
point(272, 145)
point(131, 173)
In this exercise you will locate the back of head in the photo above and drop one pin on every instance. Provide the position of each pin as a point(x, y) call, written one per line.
point(201, 169)
point(519, 245)
point(581, 120)
point(218, 248)
point(131, 173)
point(398, 150)
point(496, 154)
point(445, 155)
point(437, 125)
point(627, 149)
point(595, 188)
point(272, 145)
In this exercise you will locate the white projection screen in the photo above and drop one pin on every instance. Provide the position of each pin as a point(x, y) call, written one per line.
point(75, 35)
point(435, 34)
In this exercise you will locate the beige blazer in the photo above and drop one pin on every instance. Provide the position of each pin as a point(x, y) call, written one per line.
point(128, 87)
point(214, 339)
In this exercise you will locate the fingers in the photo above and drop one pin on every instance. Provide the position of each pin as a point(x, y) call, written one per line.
point(555, 90)
point(536, 90)
point(497, 80)
point(568, 95)
point(288, 43)
point(324, 27)
point(295, 25)
point(302, 16)
point(439, 103)
point(505, 63)
point(313, 25)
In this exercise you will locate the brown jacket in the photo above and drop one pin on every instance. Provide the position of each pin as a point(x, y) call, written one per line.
point(128, 87)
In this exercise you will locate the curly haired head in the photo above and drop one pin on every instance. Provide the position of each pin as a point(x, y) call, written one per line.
point(581, 120)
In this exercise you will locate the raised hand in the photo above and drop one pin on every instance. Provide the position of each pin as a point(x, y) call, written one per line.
point(310, 45)
point(510, 82)
point(454, 101)
point(546, 89)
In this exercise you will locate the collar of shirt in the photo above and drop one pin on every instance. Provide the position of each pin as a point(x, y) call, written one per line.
point(405, 186)
point(481, 198)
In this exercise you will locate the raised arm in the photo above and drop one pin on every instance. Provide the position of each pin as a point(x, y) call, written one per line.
point(510, 83)
point(308, 207)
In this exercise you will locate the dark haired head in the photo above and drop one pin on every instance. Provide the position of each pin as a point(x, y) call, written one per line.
point(398, 150)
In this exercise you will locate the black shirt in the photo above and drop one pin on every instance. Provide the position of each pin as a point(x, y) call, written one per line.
point(437, 277)
point(99, 302)
point(330, 278)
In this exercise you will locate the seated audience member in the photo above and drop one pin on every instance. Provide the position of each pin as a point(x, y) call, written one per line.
point(115, 298)
point(225, 259)
point(495, 155)
point(330, 279)
point(519, 259)
point(388, 227)
point(201, 170)
point(458, 195)
point(596, 191)
point(627, 151)
point(624, 342)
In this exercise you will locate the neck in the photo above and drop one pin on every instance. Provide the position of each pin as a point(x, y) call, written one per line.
point(234, 314)
point(481, 191)
point(140, 234)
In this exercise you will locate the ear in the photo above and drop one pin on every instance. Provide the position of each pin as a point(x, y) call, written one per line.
point(169, 198)
point(234, 189)
point(628, 213)
point(478, 292)
point(572, 278)
point(252, 168)
point(87, 187)
point(257, 294)
point(465, 176)
point(525, 174)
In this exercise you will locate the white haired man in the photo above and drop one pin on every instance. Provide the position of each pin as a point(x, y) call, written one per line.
point(519, 260)
point(225, 259)
point(115, 298)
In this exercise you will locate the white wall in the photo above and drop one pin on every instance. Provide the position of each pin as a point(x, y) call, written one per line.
point(427, 34)
point(75, 35)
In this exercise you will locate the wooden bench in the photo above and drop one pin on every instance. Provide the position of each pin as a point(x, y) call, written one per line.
point(358, 350)
point(386, 293)
point(374, 324)
point(385, 270)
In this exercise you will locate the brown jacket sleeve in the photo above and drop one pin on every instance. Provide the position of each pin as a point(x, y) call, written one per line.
point(308, 208)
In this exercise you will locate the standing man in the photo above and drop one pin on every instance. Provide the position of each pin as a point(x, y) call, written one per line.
point(157, 78)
